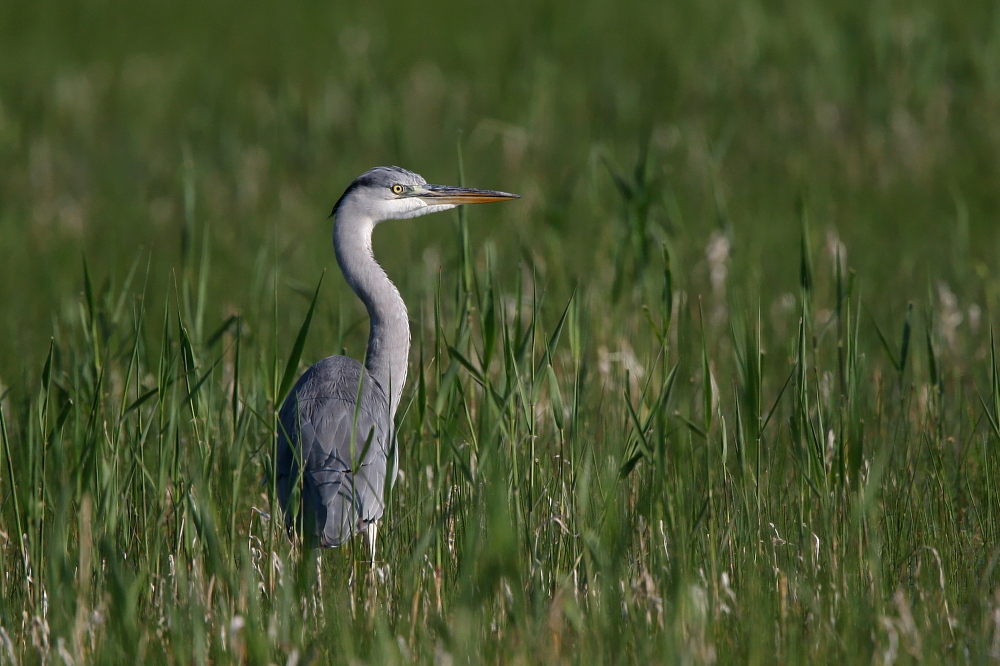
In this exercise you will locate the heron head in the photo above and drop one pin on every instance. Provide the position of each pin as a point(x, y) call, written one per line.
point(392, 193)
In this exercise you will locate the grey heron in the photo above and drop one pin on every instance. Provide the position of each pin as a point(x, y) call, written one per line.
point(336, 437)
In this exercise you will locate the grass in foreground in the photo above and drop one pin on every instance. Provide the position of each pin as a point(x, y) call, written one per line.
point(685, 496)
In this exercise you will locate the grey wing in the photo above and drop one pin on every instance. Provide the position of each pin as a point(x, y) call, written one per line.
point(346, 450)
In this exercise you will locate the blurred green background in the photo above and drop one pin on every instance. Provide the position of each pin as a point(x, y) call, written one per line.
point(132, 132)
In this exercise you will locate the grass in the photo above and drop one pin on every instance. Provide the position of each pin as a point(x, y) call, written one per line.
point(722, 386)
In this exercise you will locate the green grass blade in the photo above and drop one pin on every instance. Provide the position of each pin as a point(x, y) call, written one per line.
point(292, 364)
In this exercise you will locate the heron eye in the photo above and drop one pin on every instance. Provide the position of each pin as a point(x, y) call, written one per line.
point(397, 189)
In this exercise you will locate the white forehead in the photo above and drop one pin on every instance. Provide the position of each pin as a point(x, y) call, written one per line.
point(387, 177)
point(369, 199)
point(376, 183)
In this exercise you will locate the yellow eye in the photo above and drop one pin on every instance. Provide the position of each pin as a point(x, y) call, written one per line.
point(397, 189)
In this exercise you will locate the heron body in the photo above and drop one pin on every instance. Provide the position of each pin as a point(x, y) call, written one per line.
point(336, 435)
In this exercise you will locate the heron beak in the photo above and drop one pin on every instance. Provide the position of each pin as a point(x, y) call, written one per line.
point(446, 194)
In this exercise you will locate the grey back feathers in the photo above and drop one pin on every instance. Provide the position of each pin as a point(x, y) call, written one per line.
point(346, 450)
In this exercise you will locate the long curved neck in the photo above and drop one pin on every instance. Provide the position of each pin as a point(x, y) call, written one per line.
point(389, 336)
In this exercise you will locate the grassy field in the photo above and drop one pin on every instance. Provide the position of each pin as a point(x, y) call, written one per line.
point(722, 387)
